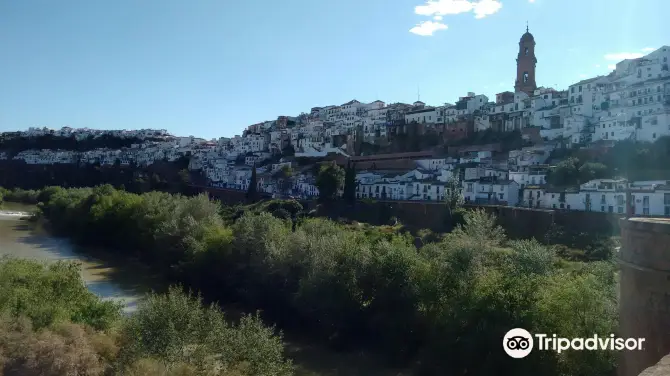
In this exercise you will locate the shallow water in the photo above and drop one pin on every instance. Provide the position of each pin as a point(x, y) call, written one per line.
point(24, 239)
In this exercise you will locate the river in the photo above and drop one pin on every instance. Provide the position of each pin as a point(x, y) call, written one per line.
point(127, 282)
point(25, 239)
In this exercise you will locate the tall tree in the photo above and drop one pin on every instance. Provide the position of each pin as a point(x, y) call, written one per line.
point(284, 176)
point(453, 194)
point(565, 173)
point(184, 180)
point(329, 181)
point(252, 191)
point(350, 183)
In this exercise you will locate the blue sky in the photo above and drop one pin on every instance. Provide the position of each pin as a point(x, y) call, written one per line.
point(209, 68)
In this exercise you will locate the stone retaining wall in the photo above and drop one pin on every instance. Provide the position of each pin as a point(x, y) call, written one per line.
point(644, 308)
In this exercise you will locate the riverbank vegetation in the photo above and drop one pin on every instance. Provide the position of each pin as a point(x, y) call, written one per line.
point(29, 197)
point(441, 307)
point(50, 324)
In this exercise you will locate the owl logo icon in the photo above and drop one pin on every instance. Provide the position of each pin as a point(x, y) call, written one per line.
point(518, 343)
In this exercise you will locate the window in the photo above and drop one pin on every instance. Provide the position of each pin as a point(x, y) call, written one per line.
point(610, 209)
point(469, 187)
point(666, 199)
point(645, 211)
point(645, 201)
point(526, 51)
point(619, 210)
point(525, 77)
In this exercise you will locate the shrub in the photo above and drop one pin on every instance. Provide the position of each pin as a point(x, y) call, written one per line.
point(66, 350)
point(176, 330)
point(51, 293)
point(444, 306)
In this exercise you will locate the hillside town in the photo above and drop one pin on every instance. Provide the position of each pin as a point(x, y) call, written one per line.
point(632, 103)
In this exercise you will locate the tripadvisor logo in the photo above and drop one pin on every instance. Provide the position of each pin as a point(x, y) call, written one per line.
point(518, 343)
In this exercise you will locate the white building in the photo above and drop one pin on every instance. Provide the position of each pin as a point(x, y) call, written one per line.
point(491, 191)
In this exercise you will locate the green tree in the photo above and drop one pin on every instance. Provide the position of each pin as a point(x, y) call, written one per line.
point(565, 173)
point(288, 151)
point(592, 170)
point(252, 191)
point(284, 176)
point(350, 183)
point(453, 195)
point(286, 172)
point(329, 181)
point(184, 178)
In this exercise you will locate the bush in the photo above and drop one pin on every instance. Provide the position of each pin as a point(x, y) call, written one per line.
point(291, 206)
point(281, 214)
point(19, 195)
point(51, 293)
point(51, 325)
point(175, 329)
point(65, 350)
point(444, 306)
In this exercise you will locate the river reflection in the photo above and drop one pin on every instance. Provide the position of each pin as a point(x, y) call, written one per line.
point(107, 279)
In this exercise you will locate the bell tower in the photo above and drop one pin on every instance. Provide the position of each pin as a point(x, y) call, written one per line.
point(525, 64)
